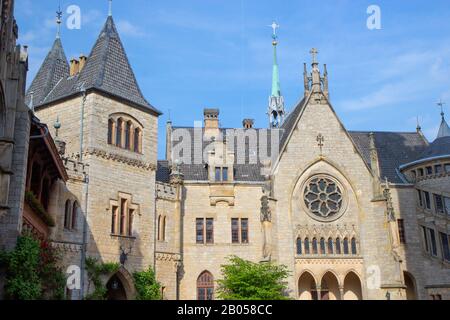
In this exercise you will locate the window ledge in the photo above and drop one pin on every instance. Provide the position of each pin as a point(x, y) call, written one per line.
point(122, 237)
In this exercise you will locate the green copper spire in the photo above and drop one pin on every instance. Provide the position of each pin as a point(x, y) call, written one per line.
point(276, 90)
point(276, 110)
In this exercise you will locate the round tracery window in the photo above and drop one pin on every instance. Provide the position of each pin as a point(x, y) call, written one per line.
point(324, 197)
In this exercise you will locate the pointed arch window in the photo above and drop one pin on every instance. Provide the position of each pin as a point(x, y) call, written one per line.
point(314, 246)
point(299, 246)
point(346, 248)
point(307, 251)
point(322, 246)
point(338, 246)
point(330, 246)
point(205, 286)
point(354, 247)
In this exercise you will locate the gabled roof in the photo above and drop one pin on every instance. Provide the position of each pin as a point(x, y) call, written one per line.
point(107, 70)
point(394, 149)
point(53, 69)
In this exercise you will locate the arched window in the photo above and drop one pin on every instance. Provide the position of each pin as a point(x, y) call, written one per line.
point(338, 246)
point(205, 286)
point(346, 249)
point(330, 246)
point(159, 228)
point(128, 135)
point(354, 248)
point(307, 246)
point(163, 229)
point(299, 246)
point(110, 131)
point(75, 209)
point(137, 140)
point(322, 246)
point(119, 132)
point(115, 215)
point(67, 214)
point(314, 246)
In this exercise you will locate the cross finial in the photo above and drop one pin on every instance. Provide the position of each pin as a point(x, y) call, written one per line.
point(320, 141)
point(110, 8)
point(314, 52)
point(441, 104)
point(274, 27)
point(59, 15)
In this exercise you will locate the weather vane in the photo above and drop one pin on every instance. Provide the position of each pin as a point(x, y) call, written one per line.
point(441, 104)
point(59, 15)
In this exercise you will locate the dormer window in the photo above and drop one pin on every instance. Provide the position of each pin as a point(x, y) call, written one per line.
point(221, 174)
point(125, 133)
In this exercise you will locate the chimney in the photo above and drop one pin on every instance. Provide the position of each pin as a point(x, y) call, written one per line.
point(248, 123)
point(74, 67)
point(211, 123)
point(211, 118)
point(83, 60)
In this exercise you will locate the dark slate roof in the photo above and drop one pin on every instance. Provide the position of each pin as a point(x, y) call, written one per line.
point(440, 147)
point(444, 130)
point(289, 123)
point(53, 69)
point(163, 171)
point(245, 170)
point(394, 149)
point(107, 70)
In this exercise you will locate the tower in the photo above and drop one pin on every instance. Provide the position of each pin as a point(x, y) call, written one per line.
point(276, 110)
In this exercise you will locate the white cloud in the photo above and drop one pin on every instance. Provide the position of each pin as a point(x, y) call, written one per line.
point(126, 28)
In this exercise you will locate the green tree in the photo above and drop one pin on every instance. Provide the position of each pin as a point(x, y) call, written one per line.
point(246, 280)
point(147, 288)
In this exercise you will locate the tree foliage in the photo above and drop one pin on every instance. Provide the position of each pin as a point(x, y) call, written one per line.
point(246, 280)
point(147, 288)
point(32, 271)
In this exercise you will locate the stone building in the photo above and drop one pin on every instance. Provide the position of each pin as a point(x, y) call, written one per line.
point(353, 215)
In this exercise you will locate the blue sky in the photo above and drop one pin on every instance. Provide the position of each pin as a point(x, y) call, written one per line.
point(188, 55)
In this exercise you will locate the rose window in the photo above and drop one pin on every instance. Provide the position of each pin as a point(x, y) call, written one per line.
point(323, 197)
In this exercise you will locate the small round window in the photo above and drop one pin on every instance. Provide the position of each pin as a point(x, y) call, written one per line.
point(323, 197)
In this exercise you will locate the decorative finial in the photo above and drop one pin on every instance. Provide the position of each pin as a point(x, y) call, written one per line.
point(441, 105)
point(274, 27)
point(59, 15)
point(419, 128)
point(57, 126)
point(110, 8)
point(314, 52)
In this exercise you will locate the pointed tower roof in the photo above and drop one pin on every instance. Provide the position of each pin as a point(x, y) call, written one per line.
point(444, 129)
point(54, 68)
point(107, 70)
point(276, 88)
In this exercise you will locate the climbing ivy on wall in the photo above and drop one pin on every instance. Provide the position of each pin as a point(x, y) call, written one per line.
point(94, 271)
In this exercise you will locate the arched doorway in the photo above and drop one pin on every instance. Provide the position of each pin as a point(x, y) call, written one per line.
point(329, 287)
point(410, 284)
point(307, 288)
point(352, 287)
point(115, 289)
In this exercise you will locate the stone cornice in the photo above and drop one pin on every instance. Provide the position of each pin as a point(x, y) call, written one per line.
point(97, 152)
point(66, 247)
